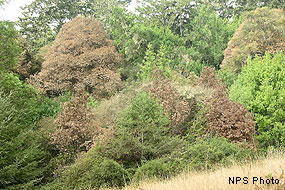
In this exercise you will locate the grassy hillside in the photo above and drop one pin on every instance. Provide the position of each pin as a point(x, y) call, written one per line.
point(268, 167)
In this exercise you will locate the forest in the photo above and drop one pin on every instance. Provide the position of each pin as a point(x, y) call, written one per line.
point(94, 96)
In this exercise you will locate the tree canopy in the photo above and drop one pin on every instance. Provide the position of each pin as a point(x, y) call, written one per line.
point(80, 59)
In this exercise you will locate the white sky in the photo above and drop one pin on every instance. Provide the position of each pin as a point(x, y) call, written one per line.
point(11, 11)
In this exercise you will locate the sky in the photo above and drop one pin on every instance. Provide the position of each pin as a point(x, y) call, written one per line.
point(11, 11)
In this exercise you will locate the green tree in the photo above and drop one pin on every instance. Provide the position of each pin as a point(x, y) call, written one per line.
point(249, 5)
point(209, 36)
point(9, 45)
point(174, 14)
point(142, 133)
point(260, 88)
point(154, 61)
point(25, 157)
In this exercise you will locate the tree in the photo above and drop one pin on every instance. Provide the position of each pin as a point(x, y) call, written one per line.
point(141, 134)
point(25, 158)
point(9, 45)
point(41, 16)
point(209, 36)
point(81, 57)
point(261, 31)
point(249, 5)
point(260, 88)
point(72, 127)
point(226, 117)
point(168, 14)
point(154, 61)
point(42, 20)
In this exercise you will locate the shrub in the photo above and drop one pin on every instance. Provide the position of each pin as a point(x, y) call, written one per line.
point(226, 117)
point(81, 56)
point(173, 104)
point(142, 134)
point(153, 168)
point(261, 31)
point(108, 174)
point(260, 88)
point(209, 152)
point(72, 126)
point(92, 171)
point(25, 160)
point(154, 61)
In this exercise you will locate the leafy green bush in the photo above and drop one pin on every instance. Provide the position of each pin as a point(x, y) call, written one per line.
point(108, 174)
point(153, 168)
point(260, 88)
point(154, 61)
point(227, 76)
point(142, 134)
point(25, 160)
point(208, 153)
point(91, 171)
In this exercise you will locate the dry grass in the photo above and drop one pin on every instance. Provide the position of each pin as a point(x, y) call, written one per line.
point(273, 165)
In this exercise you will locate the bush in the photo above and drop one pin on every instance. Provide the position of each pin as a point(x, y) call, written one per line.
point(260, 88)
point(212, 151)
point(261, 31)
point(25, 160)
point(142, 134)
point(226, 117)
point(108, 174)
point(173, 104)
point(208, 152)
point(81, 57)
point(72, 126)
point(151, 169)
point(91, 171)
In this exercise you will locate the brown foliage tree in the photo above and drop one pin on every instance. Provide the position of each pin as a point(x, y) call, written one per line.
point(73, 126)
point(81, 56)
point(226, 117)
point(28, 63)
point(261, 31)
point(175, 105)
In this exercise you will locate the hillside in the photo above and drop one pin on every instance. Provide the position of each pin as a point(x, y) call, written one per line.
point(256, 174)
point(177, 95)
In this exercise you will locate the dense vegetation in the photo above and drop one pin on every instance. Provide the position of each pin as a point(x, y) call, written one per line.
point(94, 96)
